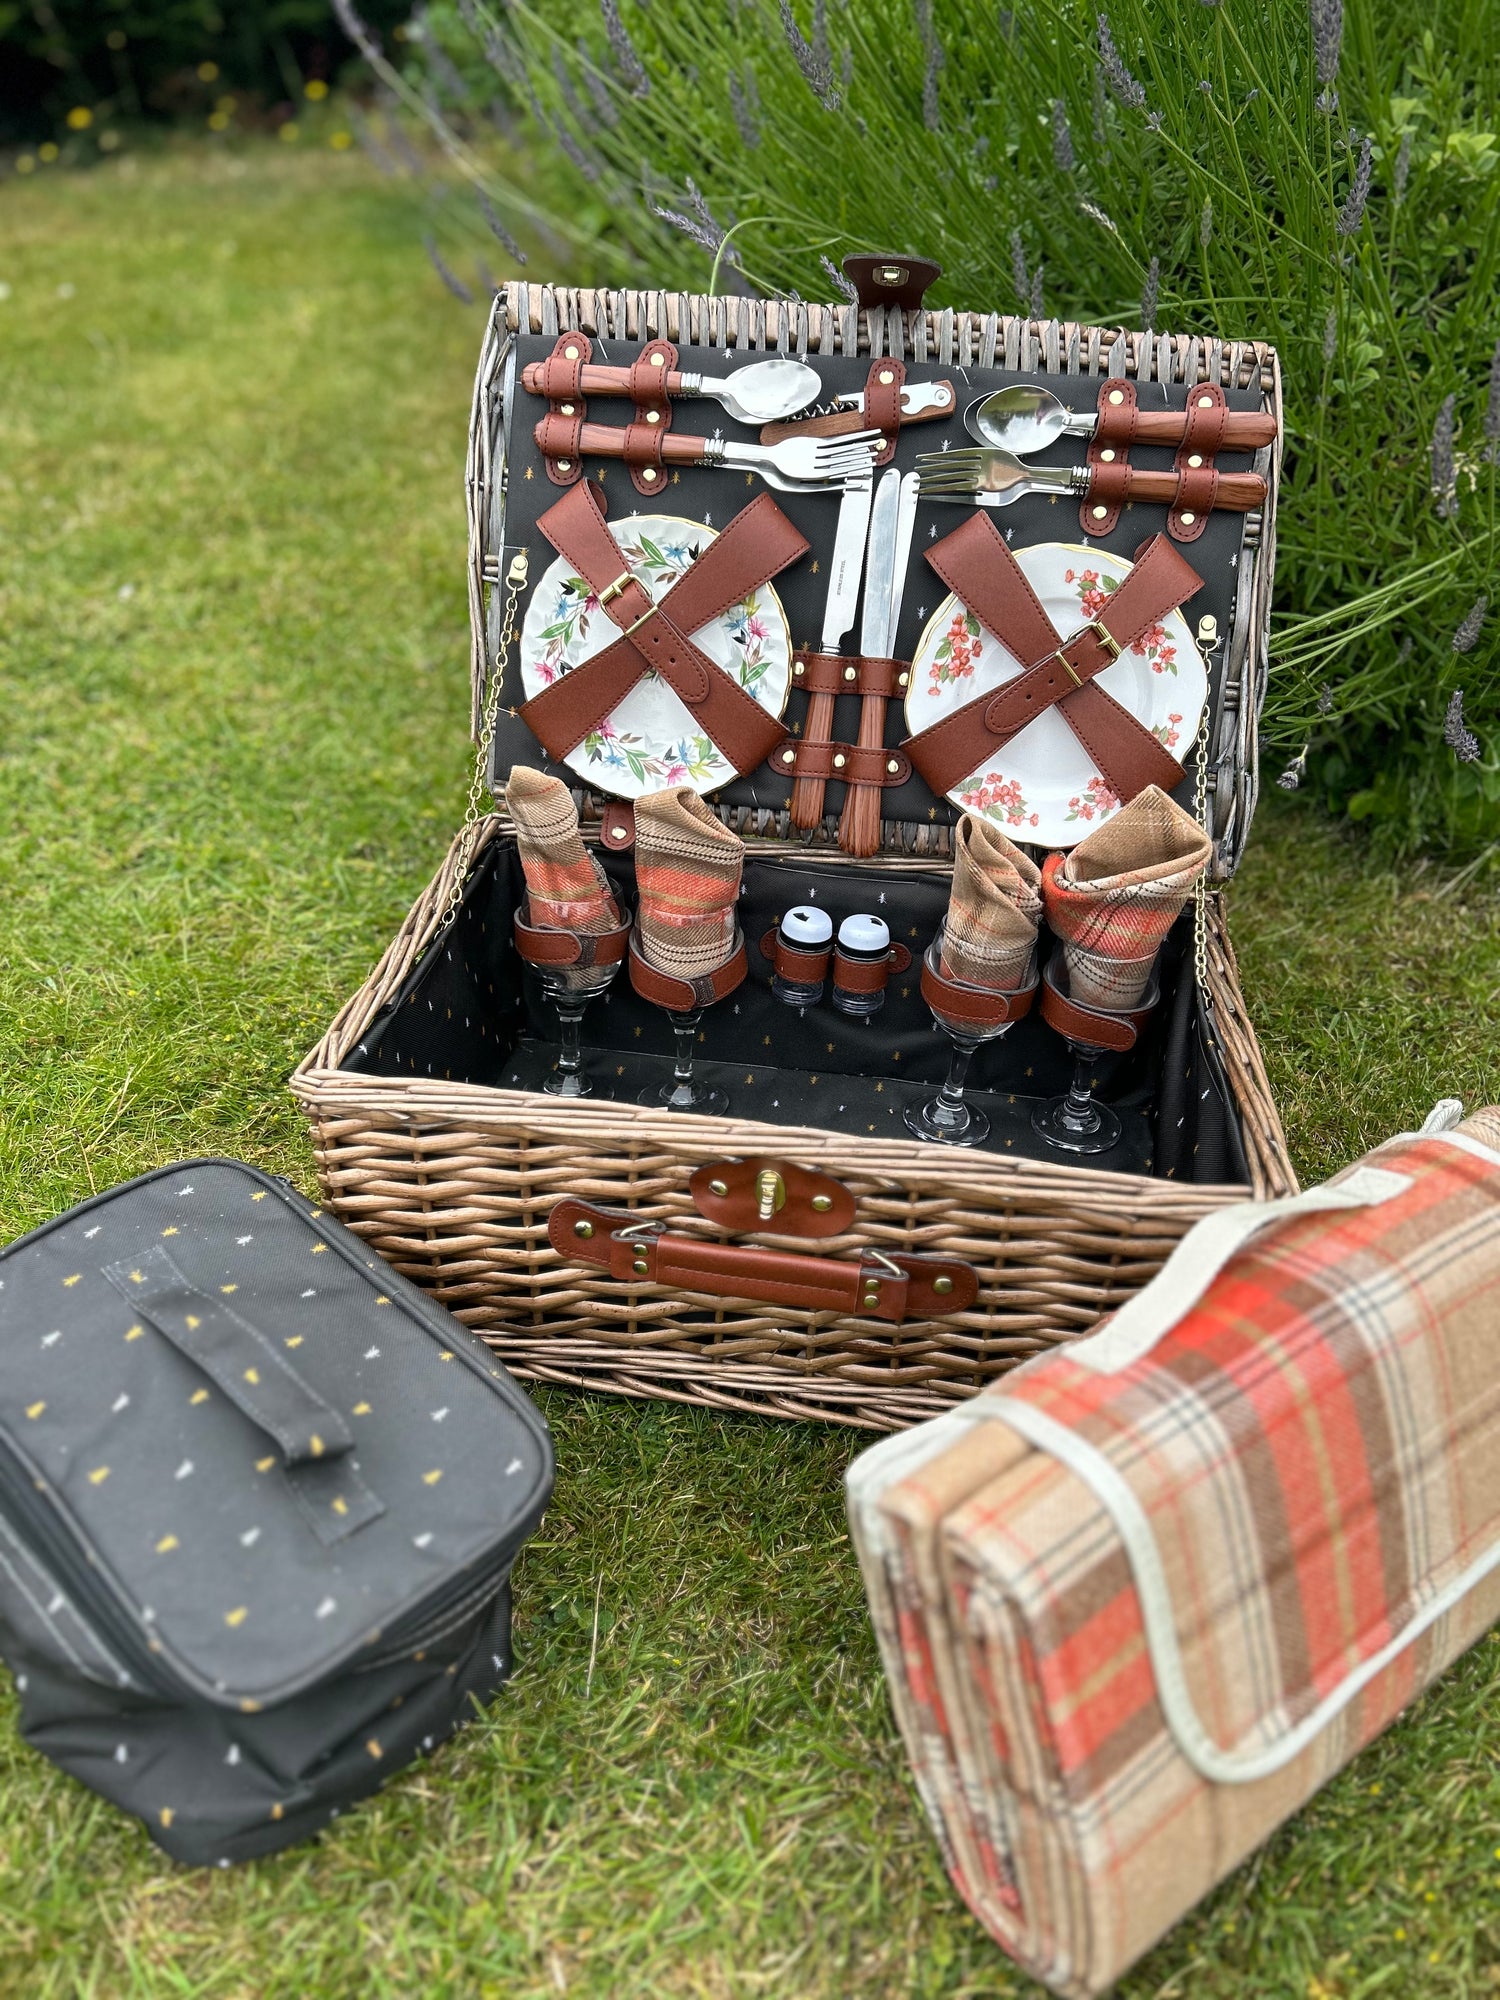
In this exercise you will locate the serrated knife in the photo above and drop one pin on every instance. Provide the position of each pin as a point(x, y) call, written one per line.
point(838, 615)
point(891, 524)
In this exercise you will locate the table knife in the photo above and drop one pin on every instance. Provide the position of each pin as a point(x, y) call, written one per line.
point(859, 827)
point(838, 616)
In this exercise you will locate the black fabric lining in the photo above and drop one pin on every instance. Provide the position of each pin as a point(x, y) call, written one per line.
point(471, 1012)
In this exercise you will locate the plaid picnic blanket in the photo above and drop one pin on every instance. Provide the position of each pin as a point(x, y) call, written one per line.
point(1140, 1600)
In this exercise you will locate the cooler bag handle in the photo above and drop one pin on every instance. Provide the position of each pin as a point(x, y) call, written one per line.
point(257, 1379)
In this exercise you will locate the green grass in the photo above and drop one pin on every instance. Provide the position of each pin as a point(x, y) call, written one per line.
point(221, 791)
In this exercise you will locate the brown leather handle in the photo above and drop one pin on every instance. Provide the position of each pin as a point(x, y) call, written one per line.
point(1244, 430)
point(605, 441)
point(892, 1287)
point(596, 381)
point(1234, 492)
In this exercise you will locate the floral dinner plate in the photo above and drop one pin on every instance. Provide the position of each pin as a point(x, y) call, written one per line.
point(1042, 787)
point(650, 741)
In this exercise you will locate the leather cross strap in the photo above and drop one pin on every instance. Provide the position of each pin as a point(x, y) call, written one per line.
point(1092, 1027)
point(758, 543)
point(889, 1286)
point(975, 562)
point(681, 996)
point(551, 944)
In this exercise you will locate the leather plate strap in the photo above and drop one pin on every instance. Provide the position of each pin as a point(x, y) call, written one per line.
point(549, 944)
point(758, 543)
point(975, 562)
point(890, 1288)
point(680, 996)
point(1091, 1027)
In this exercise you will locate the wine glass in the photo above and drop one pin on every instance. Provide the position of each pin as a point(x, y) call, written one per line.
point(570, 989)
point(949, 1119)
point(1077, 1122)
point(685, 1091)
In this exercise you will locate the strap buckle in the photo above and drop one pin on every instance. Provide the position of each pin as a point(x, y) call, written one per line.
point(616, 589)
point(1106, 639)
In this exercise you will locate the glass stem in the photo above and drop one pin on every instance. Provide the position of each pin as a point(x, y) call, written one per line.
point(684, 1027)
point(570, 1012)
point(1079, 1112)
point(951, 1096)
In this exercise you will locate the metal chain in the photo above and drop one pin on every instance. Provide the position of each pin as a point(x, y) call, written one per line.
point(515, 583)
point(1200, 887)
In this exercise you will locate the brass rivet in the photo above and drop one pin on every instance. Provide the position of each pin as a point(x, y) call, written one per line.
point(872, 1298)
point(902, 679)
point(799, 668)
point(1205, 402)
point(851, 673)
point(838, 762)
point(653, 416)
point(893, 767)
point(567, 409)
point(718, 1187)
point(617, 833)
point(648, 475)
point(658, 360)
point(1100, 513)
point(640, 1267)
point(822, 1203)
point(1195, 458)
point(583, 1228)
point(1117, 395)
point(565, 465)
point(570, 353)
point(886, 378)
point(943, 1286)
point(788, 756)
point(1108, 457)
point(1188, 520)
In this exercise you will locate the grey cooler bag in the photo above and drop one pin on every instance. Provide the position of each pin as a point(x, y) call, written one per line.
point(259, 1503)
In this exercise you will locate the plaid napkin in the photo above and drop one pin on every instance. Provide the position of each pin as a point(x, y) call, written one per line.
point(566, 885)
point(1136, 1606)
point(990, 934)
point(687, 870)
point(1113, 898)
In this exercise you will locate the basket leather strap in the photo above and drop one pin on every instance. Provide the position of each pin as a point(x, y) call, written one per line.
point(652, 418)
point(758, 543)
point(1202, 439)
point(892, 1288)
point(850, 763)
point(1092, 1027)
point(975, 562)
point(560, 380)
point(815, 672)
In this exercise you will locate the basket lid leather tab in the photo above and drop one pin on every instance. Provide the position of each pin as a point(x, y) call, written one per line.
point(891, 281)
point(774, 1195)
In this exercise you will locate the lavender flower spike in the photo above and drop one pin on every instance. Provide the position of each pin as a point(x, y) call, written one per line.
point(1130, 93)
point(1018, 270)
point(1467, 636)
point(1151, 295)
point(1444, 468)
point(1353, 211)
point(630, 65)
point(1063, 156)
point(1459, 738)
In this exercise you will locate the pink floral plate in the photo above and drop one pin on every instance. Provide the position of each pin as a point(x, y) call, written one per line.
point(1042, 787)
point(650, 741)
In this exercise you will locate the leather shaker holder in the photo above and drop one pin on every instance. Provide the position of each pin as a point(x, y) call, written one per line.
point(560, 380)
point(776, 1196)
point(890, 1288)
point(1092, 1027)
point(681, 996)
point(855, 975)
point(789, 961)
point(551, 944)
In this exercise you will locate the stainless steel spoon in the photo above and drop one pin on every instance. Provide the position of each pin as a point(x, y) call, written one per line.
point(763, 393)
point(1024, 418)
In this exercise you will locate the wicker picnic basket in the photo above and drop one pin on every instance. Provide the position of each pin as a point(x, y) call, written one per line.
point(433, 1144)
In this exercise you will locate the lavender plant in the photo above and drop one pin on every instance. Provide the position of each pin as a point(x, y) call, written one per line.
point(1330, 184)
